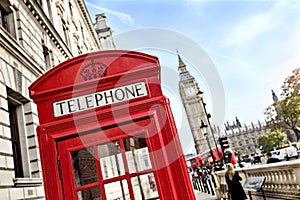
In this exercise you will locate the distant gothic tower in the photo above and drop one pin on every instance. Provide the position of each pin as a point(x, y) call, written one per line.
point(194, 106)
point(275, 100)
point(274, 96)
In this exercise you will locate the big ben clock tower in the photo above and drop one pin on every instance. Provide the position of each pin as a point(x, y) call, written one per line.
point(195, 108)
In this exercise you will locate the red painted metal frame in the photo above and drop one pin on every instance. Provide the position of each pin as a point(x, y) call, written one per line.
point(90, 141)
point(58, 134)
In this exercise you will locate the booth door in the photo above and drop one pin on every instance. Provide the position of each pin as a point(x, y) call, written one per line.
point(107, 164)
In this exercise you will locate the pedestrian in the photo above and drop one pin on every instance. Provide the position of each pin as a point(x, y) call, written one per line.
point(271, 159)
point(233, 182)
point(204, 180)
point(195, 179)
point(264, 158)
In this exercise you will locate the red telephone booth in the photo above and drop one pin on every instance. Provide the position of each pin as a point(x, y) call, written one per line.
point(107, 132)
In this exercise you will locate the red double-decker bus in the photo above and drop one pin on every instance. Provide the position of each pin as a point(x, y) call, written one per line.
point(204, 158)
point(194, 162)
point(206, 155)
point(229, 156)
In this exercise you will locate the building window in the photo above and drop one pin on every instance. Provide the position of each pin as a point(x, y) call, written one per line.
point(49, 10)
point(46, 53)
point(16, 145)
point(39, 2)
point(66, 35)
point(71, 9)
point(82, 33)
point(6, 18)
point(79, 50)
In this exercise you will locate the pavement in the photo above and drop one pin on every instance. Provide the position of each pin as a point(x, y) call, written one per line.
point(204, 196)
point(200, 195)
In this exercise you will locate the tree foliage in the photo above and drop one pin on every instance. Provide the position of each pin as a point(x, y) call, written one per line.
point(274, 138)
point(285, 114)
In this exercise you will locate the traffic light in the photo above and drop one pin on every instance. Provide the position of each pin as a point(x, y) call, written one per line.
point(224, 143)
point(227, 156)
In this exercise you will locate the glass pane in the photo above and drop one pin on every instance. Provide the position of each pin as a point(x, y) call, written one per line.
point(137, 154)
point(111, 160)
point(89, 194)
point(117, 190)
point(144, 187)
point(84, 166)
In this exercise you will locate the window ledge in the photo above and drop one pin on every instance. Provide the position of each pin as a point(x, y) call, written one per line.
point(27, 182)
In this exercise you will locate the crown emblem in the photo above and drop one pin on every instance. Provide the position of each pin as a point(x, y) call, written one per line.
point(93, 70)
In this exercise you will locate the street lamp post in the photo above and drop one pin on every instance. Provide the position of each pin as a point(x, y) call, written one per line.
point(203, 127)
point(213, 136)
point(209, 116)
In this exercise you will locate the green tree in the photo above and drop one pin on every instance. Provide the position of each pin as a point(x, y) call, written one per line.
point(272, 138)
point(285, 114)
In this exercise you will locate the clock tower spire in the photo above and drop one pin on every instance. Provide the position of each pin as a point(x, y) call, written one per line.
point(182, 66)
point(191, 97)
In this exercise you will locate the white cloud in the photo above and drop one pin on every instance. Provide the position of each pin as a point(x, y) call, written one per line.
point(125, 18)
point(251, 27)
point(248, 29)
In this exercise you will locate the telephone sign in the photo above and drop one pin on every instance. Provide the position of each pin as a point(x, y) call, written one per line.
point(101, 98)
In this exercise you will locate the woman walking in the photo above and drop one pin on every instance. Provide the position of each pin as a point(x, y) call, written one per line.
point(233, 182)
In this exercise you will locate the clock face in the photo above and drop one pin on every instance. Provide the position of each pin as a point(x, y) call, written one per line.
point(190, 91)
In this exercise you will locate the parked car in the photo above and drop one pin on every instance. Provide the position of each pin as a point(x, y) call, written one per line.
point(291, 152)
point(286, 153)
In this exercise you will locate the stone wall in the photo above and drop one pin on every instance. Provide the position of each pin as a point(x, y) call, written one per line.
point(36, 36)
point(282, 180)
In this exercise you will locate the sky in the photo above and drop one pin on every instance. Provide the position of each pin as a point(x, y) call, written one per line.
point(238, 51)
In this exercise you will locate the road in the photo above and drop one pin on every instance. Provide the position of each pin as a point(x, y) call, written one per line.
point(204, 196)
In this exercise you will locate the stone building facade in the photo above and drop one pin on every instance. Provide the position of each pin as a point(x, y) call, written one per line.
point(244, 138)
point(35, 36)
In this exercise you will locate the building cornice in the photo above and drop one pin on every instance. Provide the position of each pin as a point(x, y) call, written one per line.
point(48, 27)
point(88, 20)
